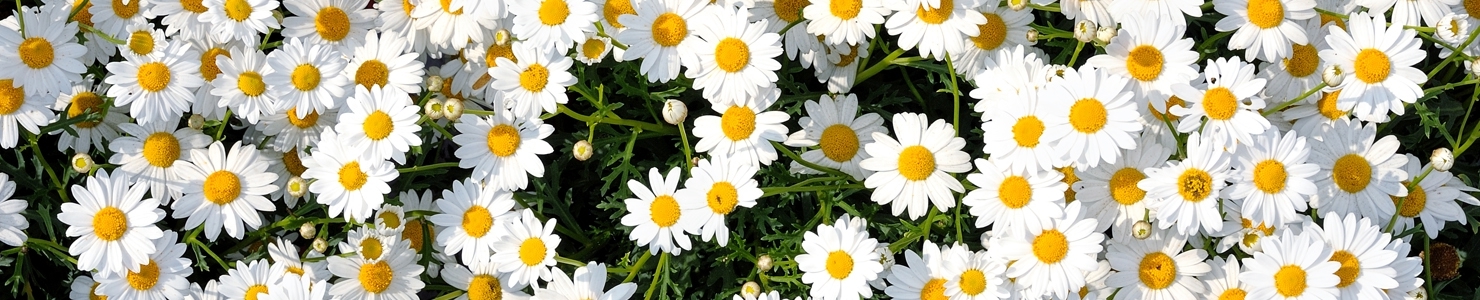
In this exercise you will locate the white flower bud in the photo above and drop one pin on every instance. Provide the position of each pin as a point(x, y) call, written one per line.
point(750, 290)
point(501, 36)
point(1032, 36)
point(434, 83)
point(674, 112)
point(320, 245)
point(886, 257)
point(1104, 34)
point(82, 163)
point(452, 109)
point(987, 239)
point(307, 230)
point(433, 108)
point(1442, 159)
point(1453, 29)
point(1333, 75)
point(297, 187)
point(1141, 230)
point(582, 150)
point(1250, 241)
point(1084, 31)
point(763, 263)
point(196, 121)
point(1473, 65)
point(1417, 294)
point(1017, 5)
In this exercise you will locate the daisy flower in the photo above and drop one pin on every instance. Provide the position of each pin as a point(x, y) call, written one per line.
point(555, 24)
point(1227, 106)
point(1292, 266)
point(1431, 201)
point(381, 122)
point(737, 59)
point(155, 155)
point(743, 129)
point(1223, 281)
point(534, 81)
point(922, 276)
point(1113, 190)
point(835, 128)
point(1411, 12)
point(1360, 247)
point(658, 217)
point(1173, 11)
point(370, 243)
point(113, 223)
point(12, 224)
point(205, 104)
point(1016, 75)
point(142, 39)
point(47, 59)
point(362, 180)
point(502, 148)
point(292, 132)
point(912, 171)
point(82, 99)
point(1005, 28)
point(1274, 180)
point(1316, 112)
point(588, 282)
point(455, 23)
point(611, 10)
point(1357, 175)
point(1053, 261)
point(1379, 59)
point(1186, 193)
point(799, 45)
point(1094, 117)
point(240, 85)
point(224, 191)
point(1013, 133)
point(304, 76)
point(470, 214)
point(593, 48)
point(248, 280)
point(161, 277)
point(838, 66)
point(661, 33)
point(524, 249)
point(183, 19)
point(723, 184)
point(157, 88)
point(334, 23)
point(1152, 55)
point(974, 275)
point(839, 260)
point(418, 230)
point(481, 279)
point(383, 61)
point(84, 288)
point(1407, 270)
point(1264, 27)
point(20, 108)
point(240, 20)
point(844, 21)
point(1020, 199)
point(394, 276)
point(113, 17)
point(1299, 71)
point(1157, 268)
point(937, 30)
point(288, 265)
point(395, 18)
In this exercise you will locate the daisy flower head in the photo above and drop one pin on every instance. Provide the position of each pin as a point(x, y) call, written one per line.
point(1185, 193)
point(1316, 112)
point(837, 65)
point(224, 191)
point(1094, 116)
point(381, 122)
point(481, 279)
point(336, 23)
point(1300, 71)
point(922, 276)
point(1273, 178)
point(241, 87)
point(658, 217)
point(835, 128)
point(84, 288)
point(588, 282)
point(1407, 270)
point(1223, 281)
point(1431, 201)
point(839, 260)
point(737, 58)
point(240, 20)
point(157, 88)
point(1053, 261)
point(552, 23)
point(502, 148)
point(723, 184)
point(1379, 61)
point(205, 104)
point(1013, 132)
point(47, 59)
point(1361, 248)
point(525, 249)
point(1157, 268)
point(20, 108)
point(974, 275)
point(914, 171)
point(419, 229)
point(1017, 74)
point(1264, 27)
point(113, 17)
point(593, 48)
point(248, 280)
point(289, 131)
point(370, 243)
point(12, 224)
point(161, 277)
point(743, 129)
point(1227, 106)
point(937, 30)
point(395, 275)
point(383, 60)
point(182, 19)
point(304, 76)
point(662, 34)
point(82, 99)
point(534, 81)
point(844, 21)
point(1409, 13)
point(1113, 191)
point(362, 180)
point(1004, 29)
point(155, 154)
point(456, 23)
point(142, 39)
point(1153, 55)
point(1358, 175)
point(1173, 11)
point(1018, 199)
point(287, 264)
point(1292, 266)
point(799, 45)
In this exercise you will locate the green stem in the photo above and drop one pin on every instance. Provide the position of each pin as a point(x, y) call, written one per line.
point(632, 270)
point(1302, 96)
point(613, 121)
point(569, 261)
point(878, 66)
point(653, 286)
point(414, 169)
point(21, 17)
point(476, 112)
point(100, 34)
point(688, 153)
point(224, 123)
point(1075, 57)
point(1402, 200)
point(770, 191)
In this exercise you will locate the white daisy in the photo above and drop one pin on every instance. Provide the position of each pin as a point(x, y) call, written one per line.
point(937, 30)
point(396, 19)
point(1016, 75)
point(155, 154)
point(161, 277)
point(339, 24)
point(224, 191)
point(1357, 175)
point(662, 34)
point(835, 128)
point(248, 280)
point(555, 24)
point(383, 60)
point(1378, 60)
point(1092, 118)
point(362, 180)
point(20, 108)
point(455, 23)
point(1292, 266)
point(83, 99)
point(1223, 281)
point(1228, 106)
point(292, 132)
point(1018, 199)
point(113, 17)
point(394, 276)
point(1151, 54)
point(157, 88)
point(838, 65)
point(419, 230)
point(1359, 246)
point(1411, 12)
point(482, 281)
point(183, 19)
point(305, 77)
point(1053, 261)
point(743, 129)
point(300, 289)
point(47, 59)
point(588, 282)
point(534, 81)
point(287, 263)
point(1274, 180)
point(844, 21)
point(922, 276)
point(658, 217)
point(240, 85)
point(839, 260)
point(912, 171)
point(206, 104)
point(502, 148)
point(240, 20)
point(1013, 132)
point(1157, 268)
point(1005, 28)
point(12, 224)
point(737, 59)
point(469, 214)
point(593, 48)
point(381, 122)
point(1316, 112)
point(525, 249)
point(723, 185)
point(142, 39)
point(84, 288)
point(1113, 191)
point(800, 45)
point(1299, 71)
point(1431, 201)
point(1264, 27)
point(1407, 270)
point(1186, 193)
point(974, 275)
point(113, 223)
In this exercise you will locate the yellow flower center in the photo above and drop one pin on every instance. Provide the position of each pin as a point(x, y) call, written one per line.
point(1123, 186)
point(935, 16)
point(82, 102)
point(376, 277)
point(1351, 173)
point(935, 289)
point(372, 73)
point(1372, 66)
point(12, 97)
point(237, 10)
point(790, 10)
point(664, 211)
point(1051, 246)
point(615, 8)
point(532, 251)
point(1303, 60)
point(147, 276)
point(1417, 200)
point(154, 76)
point(194, 6)
point(390, 219)
point(83, 16)
point(839, 143)
point(1015, 192)
point(503, 140)
point(1350, 269)
point(378, 125)
point(553, 12)
point(1327, 105)
point(738, 122)
point(973, 282)
point(125, 10)
point(371, 248)
point(208, 68)
point(222, 187)
point(496, 51)
point(1266, 13)
point(593, 48)
point(447, 8)
point(251, 84)
point(1144, 63)
point(732, 55)
point(476, 221)
point(722, 197)
point(845, 9)
point(1158, 271)
point(36, 52)
point(485, 287)
point(1195, 185)
point(1088, 115)
point(990, 34)
point(1289, 281)
point(1220, 103)
point(1027, 131)
point(669, 29)
point(1269, 176)
point(256, 290)
point(845, 59)
point(534, 78)
point(414, 233)
point(161, 149)
point(307, 121)
point(332, 24)
point(1070, 177)
point(351, 177)
point(839, 264)
point(916, 163)
point(141, 42)
point(110, 223)
point(1233, 294)
point(305, 77)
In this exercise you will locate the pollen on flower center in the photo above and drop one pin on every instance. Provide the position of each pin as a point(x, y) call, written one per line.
point(390, 218)
point(1372, 66)
point(1303, 60)
point(255, 291)
point(916, 163)
point(935, 16)
point(532, 251)
point(1088, 115)
point(251, 84)
point(154, 76)
point(208, 68)
point(1027, 131)
point(372, 73)
point(82, 102)
point(1270, 176)
point(1417, 200)
point(738, 122)
point(378, 125)
point(839, 143)
point(1289, 281)
point(553, 12)
point(485, 287)
point(1266, 13)
point(1233, 294)
point(1123, 186)
point(332, 24)
point(222, 187)
point(669, 29)
point(1069, 179)
point(732, 54)
point(351, 177)
point(193, 6)
point(305, 77)
point(140, 42)
point(371, 248)
point(1327, 105)
point(161, 149)
point(973, 282)
point(447, 8)
point(1351, 173)
point(935, 289)
point(593, 48)
point(790, 10)
point(1220, 103)
point(1015, 192)
point(1195, 185)
point(845, 59)
point(110, 223)
point(722, 197)
point(839, 264)
point(503, 140)
point(1158, 271)
point(476, 221)
point(1051, 246)
point(534, 78)
point(615, 8)
point(83, 16)
point(147, 276)
point(36, 52)
point(307, 121)
point(990, 34)
point(414, 233)
point(125, 10)
point(665, 211)
point(1350, 269)
point(376, 277)
point(496, 51)
point(12, 97)
point(1144, 63)
point(845, 9)
point(237, 10)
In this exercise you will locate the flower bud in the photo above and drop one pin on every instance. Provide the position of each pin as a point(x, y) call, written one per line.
point(82, 163)
point(297, 187)
point(196, 121)
point(1084, 31)
point(1453, 28)
point(886, 257)
point(433, 108)
point(674, 112)
point(763, 263)
point(1141, 230)
point(986, 239)
point(1032, 35)
point(307, 230)
point(320, 245)
point(1104, 34)
point(434, 83)
point(1333, 76)
point(501, 37)
point(1442, 159)
point(1017, 5)
point(750, 290)
point(452, 109)
point(582, 150)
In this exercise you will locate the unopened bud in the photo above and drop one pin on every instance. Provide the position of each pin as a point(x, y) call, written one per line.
point(196, 121)
point(307, 230)
point(1453, 28)
point(297, 187)
point(501, 36)
point(1333, 76)
point(1084, 31)
point(582, 150)
point(763, 263)
point(1032, 36)
point(434, 83)
point(433, 108)
point(452, 109)
point(1104, 34)
point(1417, 294)
point(1442, 159)
point(886, 257)
point(277, 15)
point(674, 112)
point(1017, 5)
point(750, 290)
point(82, 163)
point(1141, 230)
point(320, 245)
